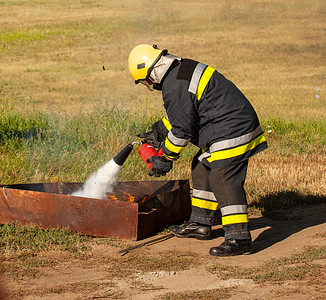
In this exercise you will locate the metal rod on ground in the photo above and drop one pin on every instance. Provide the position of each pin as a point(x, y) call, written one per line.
point(162, 238)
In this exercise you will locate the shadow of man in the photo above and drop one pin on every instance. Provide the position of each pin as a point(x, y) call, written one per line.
point(286, 213)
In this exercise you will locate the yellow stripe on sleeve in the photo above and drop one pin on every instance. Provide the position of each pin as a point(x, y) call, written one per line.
point(173, 148)
point(167, 124)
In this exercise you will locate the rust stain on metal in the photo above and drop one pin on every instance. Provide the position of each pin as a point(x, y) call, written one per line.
point(133, 210)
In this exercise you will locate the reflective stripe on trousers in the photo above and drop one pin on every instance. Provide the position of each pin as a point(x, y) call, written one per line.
point(220, 190)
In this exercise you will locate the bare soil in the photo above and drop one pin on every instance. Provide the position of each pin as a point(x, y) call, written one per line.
point(184, 266)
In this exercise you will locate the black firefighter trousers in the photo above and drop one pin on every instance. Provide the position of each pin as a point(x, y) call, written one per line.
point(220, 191)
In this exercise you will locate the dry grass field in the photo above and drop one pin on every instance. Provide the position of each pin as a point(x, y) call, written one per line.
point(54, 87)
point(52, 52)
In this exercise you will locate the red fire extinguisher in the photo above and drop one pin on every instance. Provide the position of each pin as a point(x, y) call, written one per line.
point(146, 151)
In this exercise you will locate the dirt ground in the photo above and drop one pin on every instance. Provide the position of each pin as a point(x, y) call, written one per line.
point(73, 278)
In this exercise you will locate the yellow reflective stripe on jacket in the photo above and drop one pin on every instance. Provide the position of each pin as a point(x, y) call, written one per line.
point(204, 204)
point(203, 81)
point(237, 141)
point(173, 148)
point(167, 124)
point(235, 219)
point(229, 153)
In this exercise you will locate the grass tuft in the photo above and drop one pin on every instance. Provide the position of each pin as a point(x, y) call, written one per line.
point(31, 239)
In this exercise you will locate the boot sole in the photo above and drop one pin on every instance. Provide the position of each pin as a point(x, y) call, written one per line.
point(245, 252)
point(195, 236)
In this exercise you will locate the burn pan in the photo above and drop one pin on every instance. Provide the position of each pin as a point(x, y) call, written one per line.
point(133, 210)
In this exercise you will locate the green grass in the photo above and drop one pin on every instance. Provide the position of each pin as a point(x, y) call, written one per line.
point(43, 146)
point(68, 147)
point(13, 37)
point(296, 137)
point(32, 239)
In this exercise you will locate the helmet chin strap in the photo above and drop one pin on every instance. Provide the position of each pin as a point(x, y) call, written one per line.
point(157, 86)
point(149, 86)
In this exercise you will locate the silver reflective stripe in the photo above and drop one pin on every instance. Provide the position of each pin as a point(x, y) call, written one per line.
point(203, 195)
point(177, 141)
point(196, 77)
point(204, 155)
point(231, 143)
point(234, 209)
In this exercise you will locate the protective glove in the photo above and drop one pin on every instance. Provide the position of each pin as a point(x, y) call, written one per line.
point(160, 166)
point(156, 136)
point(151, 138)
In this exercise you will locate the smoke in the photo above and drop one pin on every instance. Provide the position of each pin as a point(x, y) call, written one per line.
point(101, 181)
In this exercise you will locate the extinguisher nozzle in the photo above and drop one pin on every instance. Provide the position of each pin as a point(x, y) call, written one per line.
point(121, 157)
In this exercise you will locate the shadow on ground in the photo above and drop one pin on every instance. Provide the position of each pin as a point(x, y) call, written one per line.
point(286, 213)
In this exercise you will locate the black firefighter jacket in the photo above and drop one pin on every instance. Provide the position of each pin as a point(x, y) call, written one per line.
point(208, 110)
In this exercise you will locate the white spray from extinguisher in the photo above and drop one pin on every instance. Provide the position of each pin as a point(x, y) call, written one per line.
point(100, 182)
point(103, 180)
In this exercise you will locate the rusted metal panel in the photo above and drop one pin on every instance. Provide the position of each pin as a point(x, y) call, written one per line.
point(154, 205)
point(87, 216)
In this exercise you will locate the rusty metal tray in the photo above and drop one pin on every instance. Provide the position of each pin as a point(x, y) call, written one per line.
point(133, 210)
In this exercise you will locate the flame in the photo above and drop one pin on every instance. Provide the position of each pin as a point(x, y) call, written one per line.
point(55, 179)
point(127, 197)
point(143, 199)
point(112, 197)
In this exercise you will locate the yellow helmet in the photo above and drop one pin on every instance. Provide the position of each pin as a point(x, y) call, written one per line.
point(142, 60)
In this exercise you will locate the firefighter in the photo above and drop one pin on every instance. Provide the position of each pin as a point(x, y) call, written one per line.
point(209, 111)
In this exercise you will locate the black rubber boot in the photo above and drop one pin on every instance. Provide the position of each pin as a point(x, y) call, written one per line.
point(192, 230)
point(232, 247)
